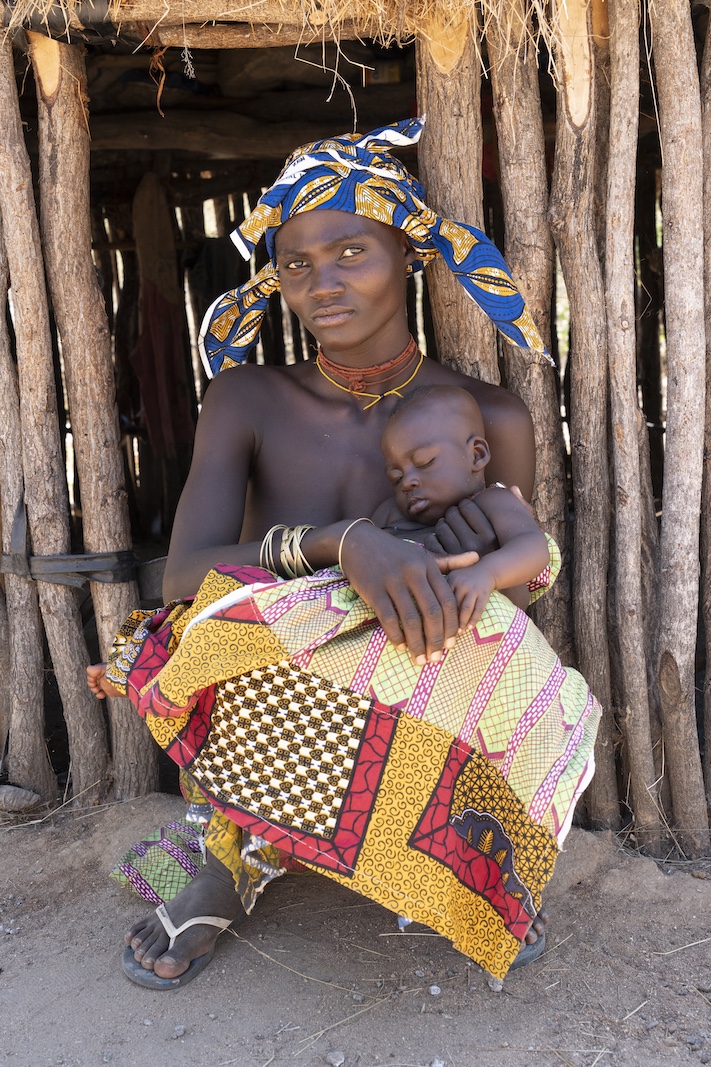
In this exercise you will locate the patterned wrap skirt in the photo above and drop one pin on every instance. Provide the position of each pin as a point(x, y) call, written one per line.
point(443, 792)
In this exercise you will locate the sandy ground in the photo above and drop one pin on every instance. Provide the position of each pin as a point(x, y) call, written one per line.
point(321, 977)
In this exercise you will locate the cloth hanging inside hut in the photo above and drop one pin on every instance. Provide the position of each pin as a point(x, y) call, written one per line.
point(160, 357)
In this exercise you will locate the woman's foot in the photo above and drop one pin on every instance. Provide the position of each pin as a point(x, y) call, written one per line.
point(98, 683)
point(538, 927)
point(211, 892)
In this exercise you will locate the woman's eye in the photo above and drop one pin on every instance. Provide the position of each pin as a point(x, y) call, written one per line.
point(351, 251)
point(293, 264)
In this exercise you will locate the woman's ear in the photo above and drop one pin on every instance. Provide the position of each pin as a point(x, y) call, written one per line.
point(479, 451)
point(410, 256)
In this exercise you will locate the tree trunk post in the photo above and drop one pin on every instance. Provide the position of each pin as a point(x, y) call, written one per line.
point(5, 685)
point(45, 483)
point(706, 493)
point(572, 217)
point(529, 254)
point(624, 411)
point(23, 683)
point(678, 93)
point(450, 158)
point(60, 76)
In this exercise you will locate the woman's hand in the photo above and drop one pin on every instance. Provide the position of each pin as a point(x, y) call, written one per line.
point(465, 528)
point(403, 585)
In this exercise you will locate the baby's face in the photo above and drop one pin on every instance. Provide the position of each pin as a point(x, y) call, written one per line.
point(429, 461)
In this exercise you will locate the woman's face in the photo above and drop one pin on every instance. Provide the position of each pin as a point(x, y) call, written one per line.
point(345, 276)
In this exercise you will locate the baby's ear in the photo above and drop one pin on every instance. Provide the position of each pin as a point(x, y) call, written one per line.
point(479, 451)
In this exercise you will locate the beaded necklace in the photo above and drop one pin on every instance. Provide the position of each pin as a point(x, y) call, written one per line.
point(359, 378)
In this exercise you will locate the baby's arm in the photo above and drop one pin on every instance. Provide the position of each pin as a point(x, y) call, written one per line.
point(523, 553)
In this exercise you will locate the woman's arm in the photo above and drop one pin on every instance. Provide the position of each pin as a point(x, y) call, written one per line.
point(209, 516)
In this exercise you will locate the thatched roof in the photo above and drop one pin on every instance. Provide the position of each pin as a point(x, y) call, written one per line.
point(386, 21)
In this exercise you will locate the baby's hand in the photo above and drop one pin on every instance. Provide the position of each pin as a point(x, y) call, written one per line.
point(472, 587)
point(98, 683)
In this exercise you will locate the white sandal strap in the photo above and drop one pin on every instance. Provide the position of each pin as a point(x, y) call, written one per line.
point(174, 931)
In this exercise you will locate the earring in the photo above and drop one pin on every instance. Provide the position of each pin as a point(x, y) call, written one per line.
point(409, 268)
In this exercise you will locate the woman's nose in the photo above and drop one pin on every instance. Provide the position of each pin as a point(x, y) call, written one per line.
point(325, 280)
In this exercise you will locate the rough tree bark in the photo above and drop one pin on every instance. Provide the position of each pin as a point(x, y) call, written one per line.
point(682, 204)
point(450, 159)
point(624, 412)
point(573, 223)
point(5, 684)
point(60, 76)
point(529, 254)
point(28, 761)
point(45, 484)
point(706, 493)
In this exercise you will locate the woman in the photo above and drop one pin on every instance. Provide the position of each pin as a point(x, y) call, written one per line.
point(345, 226)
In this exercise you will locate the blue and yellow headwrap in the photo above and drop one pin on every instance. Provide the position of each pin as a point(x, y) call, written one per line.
point(358, 174)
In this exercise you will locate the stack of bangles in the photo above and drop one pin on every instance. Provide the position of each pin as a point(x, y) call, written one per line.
point(292, 562)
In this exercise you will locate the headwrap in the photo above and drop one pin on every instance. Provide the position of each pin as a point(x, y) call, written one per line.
point(358, 174)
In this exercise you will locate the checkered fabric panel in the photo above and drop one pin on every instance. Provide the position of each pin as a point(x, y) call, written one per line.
point(282, 746)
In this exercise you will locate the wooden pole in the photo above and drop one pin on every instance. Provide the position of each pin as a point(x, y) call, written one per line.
point(240, 35)
point(450, 158)
point(214, 134)
point(572, 216)
point(529, 254)
point(45, 484)
point(624, 410)
point(60, 77)
point(678, 92)
point(706, 493)
point(28, 761)
point(6, 682)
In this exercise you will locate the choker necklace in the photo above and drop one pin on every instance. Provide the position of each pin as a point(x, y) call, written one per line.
point(360, 378)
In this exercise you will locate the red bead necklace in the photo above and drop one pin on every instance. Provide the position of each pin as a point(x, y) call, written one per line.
point(360, 379)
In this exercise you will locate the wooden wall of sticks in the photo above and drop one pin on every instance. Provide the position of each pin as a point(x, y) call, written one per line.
point(122, 172)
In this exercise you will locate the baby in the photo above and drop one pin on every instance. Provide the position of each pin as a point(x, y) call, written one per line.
point(435, 455)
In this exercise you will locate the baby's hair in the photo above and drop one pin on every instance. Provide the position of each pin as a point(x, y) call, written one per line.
point(426, 394)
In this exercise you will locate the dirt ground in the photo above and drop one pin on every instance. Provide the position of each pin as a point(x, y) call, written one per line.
point(320, 976)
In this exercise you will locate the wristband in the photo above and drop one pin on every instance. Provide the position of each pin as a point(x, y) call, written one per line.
point(266, 551)
point(345, 533)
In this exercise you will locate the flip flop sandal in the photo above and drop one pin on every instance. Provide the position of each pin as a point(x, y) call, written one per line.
point(149, 979)
point(529, 953)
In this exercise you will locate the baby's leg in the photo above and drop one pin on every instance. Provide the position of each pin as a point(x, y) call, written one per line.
point(98, 683)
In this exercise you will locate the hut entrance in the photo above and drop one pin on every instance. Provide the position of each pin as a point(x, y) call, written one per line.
point(133, 147)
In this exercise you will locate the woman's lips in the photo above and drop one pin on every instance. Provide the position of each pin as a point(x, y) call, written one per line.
point(331, 316)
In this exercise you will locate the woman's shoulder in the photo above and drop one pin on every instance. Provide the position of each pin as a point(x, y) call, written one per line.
point(252, 380)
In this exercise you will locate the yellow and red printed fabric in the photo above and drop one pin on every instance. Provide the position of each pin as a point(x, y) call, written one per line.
point(442, 792)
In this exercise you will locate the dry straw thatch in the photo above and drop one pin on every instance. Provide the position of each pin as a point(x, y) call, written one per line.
point(387, 21)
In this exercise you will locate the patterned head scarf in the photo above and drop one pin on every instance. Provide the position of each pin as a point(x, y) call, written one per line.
point(358, 174)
